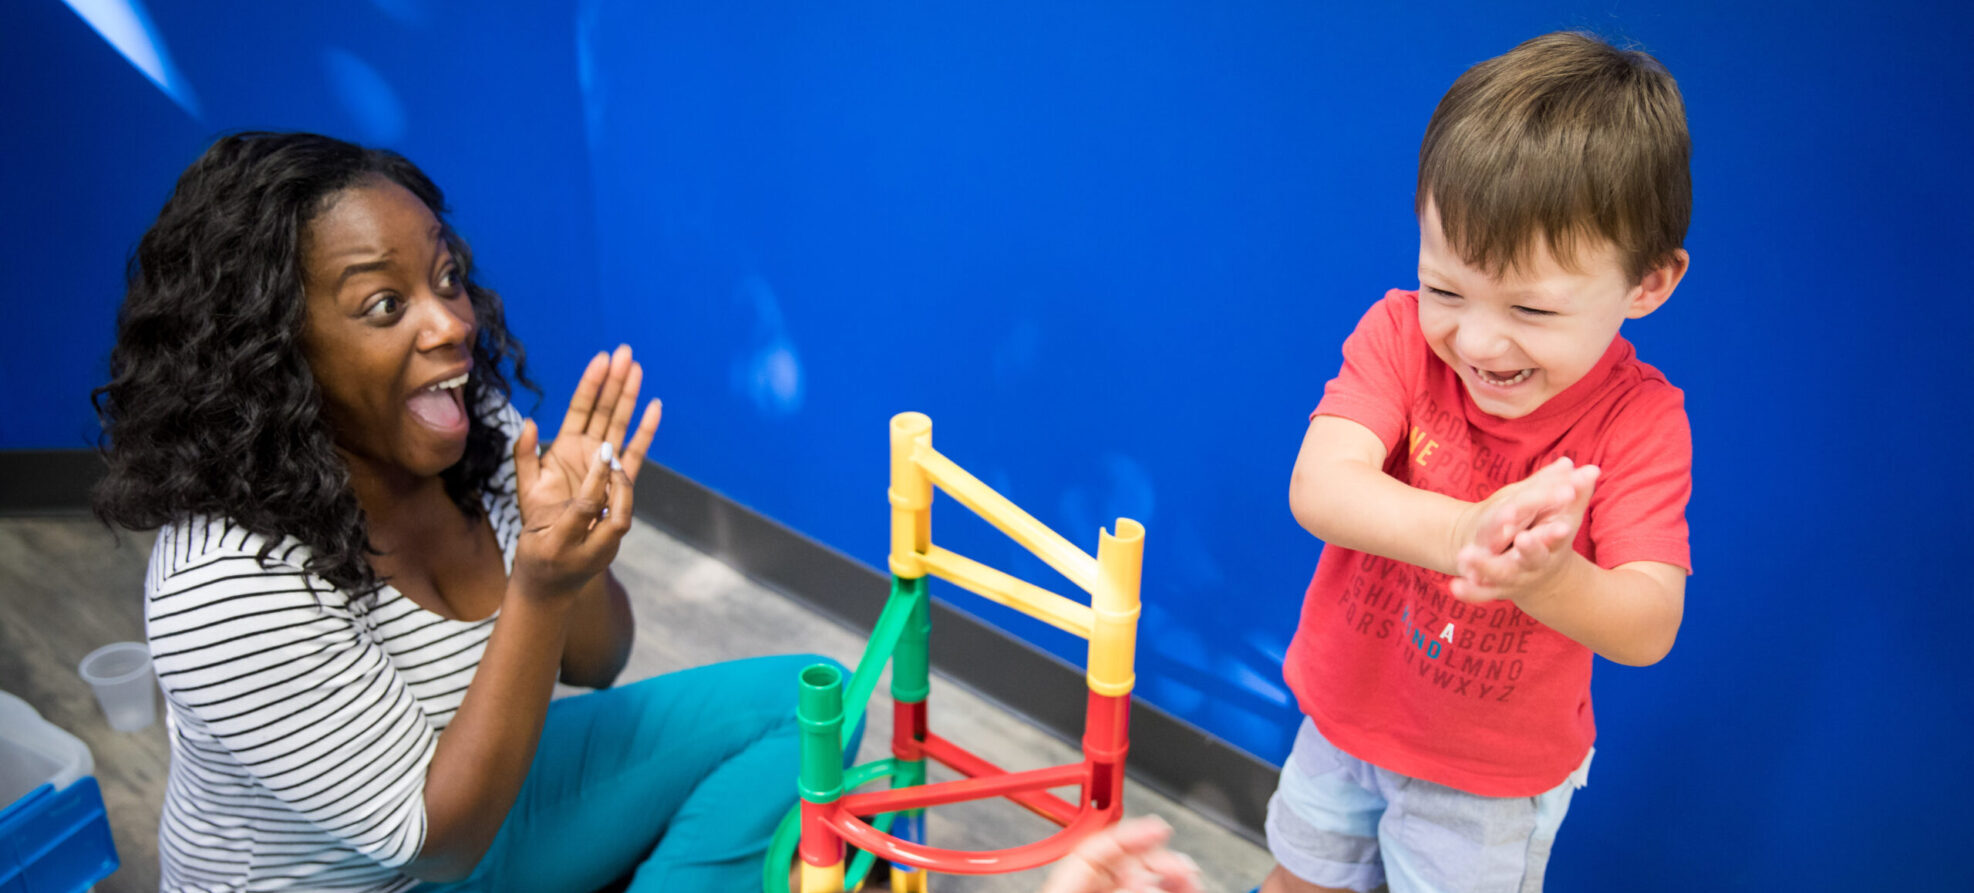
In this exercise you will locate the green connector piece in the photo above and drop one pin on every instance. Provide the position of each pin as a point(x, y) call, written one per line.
point(910, 659)
point(819, 711)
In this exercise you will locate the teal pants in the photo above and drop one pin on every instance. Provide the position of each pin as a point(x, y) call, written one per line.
point(676, 781)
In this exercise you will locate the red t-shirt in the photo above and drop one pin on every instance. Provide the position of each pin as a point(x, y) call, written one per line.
point(1480, 697)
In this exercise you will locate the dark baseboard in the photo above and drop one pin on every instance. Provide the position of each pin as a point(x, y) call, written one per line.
point(1169, 754)
point(47, 482)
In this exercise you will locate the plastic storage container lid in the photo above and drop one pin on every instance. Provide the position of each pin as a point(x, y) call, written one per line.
point(34, 752)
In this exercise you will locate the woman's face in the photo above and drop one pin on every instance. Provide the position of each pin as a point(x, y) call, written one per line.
point(390, 331)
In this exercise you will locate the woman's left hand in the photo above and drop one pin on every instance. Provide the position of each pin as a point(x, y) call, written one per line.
point(600, 412)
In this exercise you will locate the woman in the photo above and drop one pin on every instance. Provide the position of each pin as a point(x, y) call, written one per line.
point(368, 577)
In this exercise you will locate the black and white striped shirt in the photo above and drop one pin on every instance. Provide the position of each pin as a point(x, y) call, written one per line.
point(301, 719)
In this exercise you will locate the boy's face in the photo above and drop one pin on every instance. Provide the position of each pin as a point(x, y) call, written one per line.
point(1518, 340)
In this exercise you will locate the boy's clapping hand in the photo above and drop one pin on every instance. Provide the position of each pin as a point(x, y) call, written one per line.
point(1521, 536)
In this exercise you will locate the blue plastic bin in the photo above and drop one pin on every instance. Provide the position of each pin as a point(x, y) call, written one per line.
point(54, 833)
point(56, 841)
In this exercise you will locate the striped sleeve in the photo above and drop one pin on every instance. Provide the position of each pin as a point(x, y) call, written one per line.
point(275, 667)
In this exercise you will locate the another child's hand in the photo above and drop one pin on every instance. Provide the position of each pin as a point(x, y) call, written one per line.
point(1128, 856)
point(1523, 534)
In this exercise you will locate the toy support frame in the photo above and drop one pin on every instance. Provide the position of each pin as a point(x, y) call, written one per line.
point(828, 815)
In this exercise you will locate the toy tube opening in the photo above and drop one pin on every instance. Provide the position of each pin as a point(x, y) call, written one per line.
point(822, 685)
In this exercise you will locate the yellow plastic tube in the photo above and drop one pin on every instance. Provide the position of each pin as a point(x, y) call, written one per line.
point(1014, 592)
point(1021, 527)
point(822, 878)
point(911, 494)
point(1114, 606)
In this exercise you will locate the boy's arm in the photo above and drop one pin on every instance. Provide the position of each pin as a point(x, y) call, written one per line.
point(1629, 614)
point(1340, 492)
point(1514, 545)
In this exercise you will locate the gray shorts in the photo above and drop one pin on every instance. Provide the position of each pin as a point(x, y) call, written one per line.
point(1337, 821)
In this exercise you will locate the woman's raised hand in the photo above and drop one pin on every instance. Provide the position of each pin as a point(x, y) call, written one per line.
point(601, 410)
point(575, 497)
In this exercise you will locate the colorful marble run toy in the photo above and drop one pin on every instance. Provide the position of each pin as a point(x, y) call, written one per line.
point(830, 814)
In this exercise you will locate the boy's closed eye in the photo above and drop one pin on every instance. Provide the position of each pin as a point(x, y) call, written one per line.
point(1524, 310)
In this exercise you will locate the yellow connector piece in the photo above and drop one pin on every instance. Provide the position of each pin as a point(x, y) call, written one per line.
point(826, 879)
point(1020, 526)
point(911, 494)
point(1014, 592)
point(1114, 605)
point(903, 881)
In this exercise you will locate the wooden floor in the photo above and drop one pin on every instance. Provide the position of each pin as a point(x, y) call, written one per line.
point(66, 588)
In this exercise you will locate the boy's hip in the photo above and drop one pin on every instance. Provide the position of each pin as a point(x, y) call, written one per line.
point(1339, 821)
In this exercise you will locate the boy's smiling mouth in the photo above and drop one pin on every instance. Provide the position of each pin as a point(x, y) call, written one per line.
point(1502, 380)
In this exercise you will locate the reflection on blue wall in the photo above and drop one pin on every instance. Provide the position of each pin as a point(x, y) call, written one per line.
point(1112, 249)
point(126, 25)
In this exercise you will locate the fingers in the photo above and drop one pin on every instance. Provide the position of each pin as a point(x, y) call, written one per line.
point(1487, 576)
point(621, 496)
point(624, 405)
point(1559, 489)
point(1501, 537)
point(590, 497)
point(1177, 872)
point(583, 404)
point(1511, 516)
point(598, 425)
point(527, 464)
point(1466, 590)
point(1482, 573)
point(1129, 856)
point(1550, 536)
point(1585, 481)
point(1533, 547)
point(1128, 837)
point(1146, 864)
point(634, 452)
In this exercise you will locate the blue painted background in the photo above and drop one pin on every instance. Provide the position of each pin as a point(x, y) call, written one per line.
point(1112, 250)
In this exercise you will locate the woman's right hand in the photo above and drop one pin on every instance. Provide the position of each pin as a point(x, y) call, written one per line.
point(570, 529)
point(575, 499)
point(575, 505)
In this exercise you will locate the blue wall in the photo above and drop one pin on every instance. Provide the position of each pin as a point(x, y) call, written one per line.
point(1112, 250)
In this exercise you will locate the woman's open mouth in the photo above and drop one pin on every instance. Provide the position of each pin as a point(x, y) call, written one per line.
point(441, 405)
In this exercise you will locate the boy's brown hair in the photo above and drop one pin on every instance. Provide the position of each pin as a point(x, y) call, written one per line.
point(1561, 138)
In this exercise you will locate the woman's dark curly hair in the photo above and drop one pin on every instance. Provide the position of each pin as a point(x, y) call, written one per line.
point(211, 408)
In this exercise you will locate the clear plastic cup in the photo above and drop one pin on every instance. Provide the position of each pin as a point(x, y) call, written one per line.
point(120, 673)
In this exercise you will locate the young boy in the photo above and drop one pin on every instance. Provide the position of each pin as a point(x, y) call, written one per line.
point(1501, 484)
